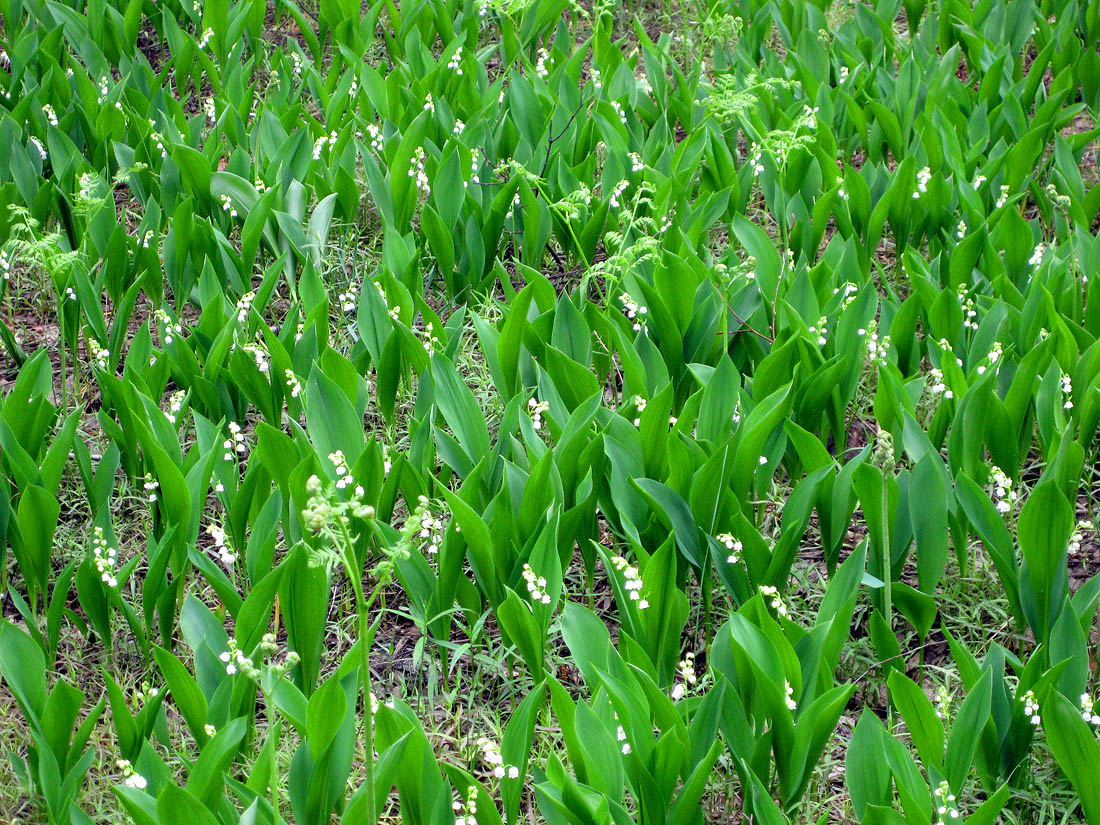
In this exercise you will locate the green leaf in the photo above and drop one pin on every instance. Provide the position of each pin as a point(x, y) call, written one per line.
point(925, 727)
point(1075, 749)
point(186, 694)
point(207, 779)
point(928, 514)
point(460, 409)
point(517, 620)
point(966, 731)
point(23, 667)
point(1046, 521)
point(177, 806)
point(865, 771)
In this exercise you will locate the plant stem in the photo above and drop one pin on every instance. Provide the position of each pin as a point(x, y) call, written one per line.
point(363, 628)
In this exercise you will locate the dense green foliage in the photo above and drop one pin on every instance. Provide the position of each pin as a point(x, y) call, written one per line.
point(644, 366)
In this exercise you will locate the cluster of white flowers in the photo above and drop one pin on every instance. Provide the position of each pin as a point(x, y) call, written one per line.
point(323, 141)
point(105, 558)
point(37, 144)
point(475, 166)
point(175, 404)
point(130, 777)
point(235, 443)
point(429, 103)
point(666, 223)
point(416, 170)
point(850, 291)
point(732, 545)
point(945, 802)
point(5, 266)
point(540, 64)
point(227, 206)
point(1004, 497)
point(636, 162)
point(425, 525)
point(349, 300)
point(296, 64)
point(5, 61)
point(50, 114)
point(633, 581)
point(259, 356)
point(430, 340)
point(1002, 198)
point(876, 347)
point(535, 409)
point(970, 314)
point(788, 698)
point(820, 330)
point(1037, 254)
point(617, 193)
point(978, 181)
point(344, 478)
point(639, 405)
point(597, 79)
point(1067, 392)
point(458, 128)
point(490, 753)
point(687, 673)
point(843, 193)
point(757, 163)
point(936, 384)
point(225, 553)
point(1031, 708)
point(207, 36)
point(98, 354)
point(923, 176)
point(171, 328)
point(150, 485)
point(842, 73)
point(620, 735)
point(455, 63)
point(211, 110)
point(104, 90)
point(536, 585)
point(618, 108)
point(774, 599)
point(146, 237)
point(995, 353)
point(635, 311)
point(236, 662)
point(1088, 709)
point(293, 385)
point(961, 230)
point(1078, 536)
point(374, 132)
point(244, 306)
point(467, 808)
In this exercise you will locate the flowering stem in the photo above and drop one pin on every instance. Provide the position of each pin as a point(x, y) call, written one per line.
point(365, 634)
